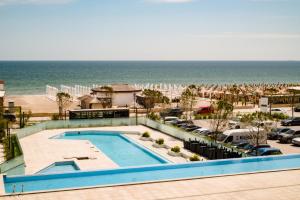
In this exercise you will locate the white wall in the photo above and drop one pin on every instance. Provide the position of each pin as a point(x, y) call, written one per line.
point(123, 99)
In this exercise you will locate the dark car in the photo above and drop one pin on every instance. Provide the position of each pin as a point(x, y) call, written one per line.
point(10, 117)
point(297, 108)
point(256, 147)
point(176, 112)
point(291, 122)
point(276, 132)
point(180, 123)
point(266, 152)
point(288, 136)
point(241, 145)
point(191, 127)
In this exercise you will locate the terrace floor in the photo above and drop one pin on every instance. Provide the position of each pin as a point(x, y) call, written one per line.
point(41, 151)
point(283, 185)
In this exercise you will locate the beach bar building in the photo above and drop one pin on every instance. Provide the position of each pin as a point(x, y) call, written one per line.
point(109, 96)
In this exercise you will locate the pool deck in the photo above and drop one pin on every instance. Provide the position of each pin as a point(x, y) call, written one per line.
point(282, 185)
point(41, 151)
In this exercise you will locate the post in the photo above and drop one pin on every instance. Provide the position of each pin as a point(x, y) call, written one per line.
point(293, 102)
point(20, 116)
point(135, 108)
point(270, 104)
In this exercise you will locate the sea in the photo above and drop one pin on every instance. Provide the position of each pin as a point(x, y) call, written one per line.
point(31, 77)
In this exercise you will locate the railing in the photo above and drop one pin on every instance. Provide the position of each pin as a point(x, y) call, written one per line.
point(9, 166)
point(16, 166)
point(13, 166)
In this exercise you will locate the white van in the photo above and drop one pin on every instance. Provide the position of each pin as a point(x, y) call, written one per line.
point(241, 135)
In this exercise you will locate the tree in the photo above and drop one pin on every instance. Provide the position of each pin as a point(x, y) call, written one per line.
point(151, 97)
point(223, 111)
point(63, 100)
point(258, 126)
point(188, 98)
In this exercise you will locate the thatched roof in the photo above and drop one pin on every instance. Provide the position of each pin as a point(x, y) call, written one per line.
point(116, 88)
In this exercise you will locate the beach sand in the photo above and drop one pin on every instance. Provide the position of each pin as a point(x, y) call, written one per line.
point(35, 103)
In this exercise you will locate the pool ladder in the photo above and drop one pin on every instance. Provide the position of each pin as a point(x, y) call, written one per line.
point(14, 188)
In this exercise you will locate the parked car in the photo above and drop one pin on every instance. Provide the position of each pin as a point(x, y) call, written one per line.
point(180, 122)
point(291, 122)
point(234, 124)
point(202, 131)
point(276, 132)
point(296, 141)
point(266, 152)
point(278, 110)
point(288, 136)
point(204, 110)
point(297, 108)
point(190, 127)
point(176, 112)
point(10, 117)
point(236, 136)
point(256, 147)
point(241, 145)
point(168, 120)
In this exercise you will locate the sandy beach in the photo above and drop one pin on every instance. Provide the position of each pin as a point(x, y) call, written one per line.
point(35, 103)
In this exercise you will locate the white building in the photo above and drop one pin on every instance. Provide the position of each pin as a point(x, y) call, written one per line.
point(114, 95)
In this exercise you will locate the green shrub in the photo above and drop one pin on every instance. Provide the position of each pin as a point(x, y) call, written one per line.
point(153, 116)
point(160, 141)
point(279, 116)
point(175, 149)
point(146, 134)
point(195, 158)
point(55, 117)
point(11, 147)
point(197, 117)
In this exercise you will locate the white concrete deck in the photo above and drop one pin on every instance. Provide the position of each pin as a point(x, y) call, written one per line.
point(282, 185)
point(41, 151)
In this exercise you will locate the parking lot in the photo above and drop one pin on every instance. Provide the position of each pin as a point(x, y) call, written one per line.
point(285, 148)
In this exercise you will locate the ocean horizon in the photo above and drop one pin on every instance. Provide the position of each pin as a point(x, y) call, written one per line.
point(31, 77)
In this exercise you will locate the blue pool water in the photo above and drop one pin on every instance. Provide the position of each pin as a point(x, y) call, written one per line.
point(117, 147)
point(60, 167)
point(149, 173)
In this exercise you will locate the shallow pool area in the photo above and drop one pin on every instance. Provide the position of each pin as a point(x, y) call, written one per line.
point(83, 179)
point(119, 148)
point(60, 167)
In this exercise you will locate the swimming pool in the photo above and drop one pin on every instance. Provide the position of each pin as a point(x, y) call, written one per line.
point(119, 148)
point(60, 167)
point(148, 173)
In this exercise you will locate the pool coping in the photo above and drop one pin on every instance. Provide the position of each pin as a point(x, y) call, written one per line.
point(156, 181)
point(143, 182)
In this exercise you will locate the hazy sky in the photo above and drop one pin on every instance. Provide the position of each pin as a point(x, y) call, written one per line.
point(150, 29)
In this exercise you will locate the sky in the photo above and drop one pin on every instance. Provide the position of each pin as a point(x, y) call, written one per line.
point(149, 29)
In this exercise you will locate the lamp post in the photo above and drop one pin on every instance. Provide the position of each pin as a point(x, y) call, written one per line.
point(135, 109)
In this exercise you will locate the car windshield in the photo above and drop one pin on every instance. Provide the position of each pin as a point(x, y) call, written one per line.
point(290, 132)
